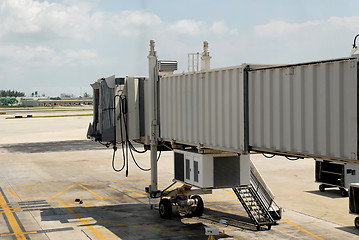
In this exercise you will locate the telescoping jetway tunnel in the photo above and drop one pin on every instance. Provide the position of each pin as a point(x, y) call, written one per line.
point(213, 119)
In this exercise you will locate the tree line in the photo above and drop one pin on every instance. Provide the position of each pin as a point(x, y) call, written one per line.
point(11, 93)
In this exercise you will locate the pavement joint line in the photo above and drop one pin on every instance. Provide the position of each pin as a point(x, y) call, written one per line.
point(84, 222)
point(293, 224)
point(19, 234)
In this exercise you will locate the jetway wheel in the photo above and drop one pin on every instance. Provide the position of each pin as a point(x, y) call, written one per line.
point(321, 187)
point(198, 211)
point(165, 208)
point(356, 222)
point(343, 192)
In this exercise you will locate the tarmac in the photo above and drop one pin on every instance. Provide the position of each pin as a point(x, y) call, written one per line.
point(56, 184)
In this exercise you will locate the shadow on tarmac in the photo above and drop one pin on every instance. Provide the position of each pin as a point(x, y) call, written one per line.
point(59, 146)
point(137, 221)
point(331, 193)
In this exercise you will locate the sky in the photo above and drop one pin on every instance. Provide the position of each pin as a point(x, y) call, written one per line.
point(61, 46)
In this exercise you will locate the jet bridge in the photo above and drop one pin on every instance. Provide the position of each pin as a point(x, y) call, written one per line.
point(214, 118)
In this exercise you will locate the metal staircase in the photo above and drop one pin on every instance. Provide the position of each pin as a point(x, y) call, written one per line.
point(257, 200)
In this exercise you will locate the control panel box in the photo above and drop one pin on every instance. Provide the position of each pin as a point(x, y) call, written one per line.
point(211, 170)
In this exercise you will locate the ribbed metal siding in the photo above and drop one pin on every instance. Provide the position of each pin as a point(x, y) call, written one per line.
point(203, 108)
point(306, 109)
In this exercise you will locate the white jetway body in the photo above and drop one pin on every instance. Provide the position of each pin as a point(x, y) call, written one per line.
point(308, 109)
point(205, 109)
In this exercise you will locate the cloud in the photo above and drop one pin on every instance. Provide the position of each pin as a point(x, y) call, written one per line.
point(186, 26)
point(49, 21)
point(39, 55)
point(275, 28)
point(346, 22)
point(219, 27)
point(305, 41)
point(133, 23)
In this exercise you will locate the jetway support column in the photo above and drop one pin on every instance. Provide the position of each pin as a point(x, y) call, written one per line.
point(153, 80)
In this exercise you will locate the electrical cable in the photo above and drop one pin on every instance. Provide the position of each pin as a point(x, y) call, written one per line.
point(267, 156)
point(355, 39)
point(292, 158)
point(104, 144)
point(134, 149)
point(113, 161)
point(126, 145)
point(134, 160)
point(115, 147)
point(159, 155)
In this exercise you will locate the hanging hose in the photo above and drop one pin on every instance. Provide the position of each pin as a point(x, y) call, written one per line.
point(113, 161)
point(292, 158)
point(355, 47)
point(127, 147)
point(268, 156)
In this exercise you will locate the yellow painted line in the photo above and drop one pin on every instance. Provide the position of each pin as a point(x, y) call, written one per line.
point(84, 222)
point(12, 234)
point(90, 191)
point(302, 229)
point(26, 189)
point(146, 181)
point(11, 219)
point(13, 204)
point(295, 225)
point(219, 209)
point(78, 205)
point(221, 201)
point(229, 192)
point(61, 192)
point(16, 195)
point(174, 186)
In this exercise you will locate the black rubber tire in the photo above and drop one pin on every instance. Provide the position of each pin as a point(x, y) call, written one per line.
point(198, 211)
point(343, 192)
point(165, 208)
point(321, 187)
point(356, 222)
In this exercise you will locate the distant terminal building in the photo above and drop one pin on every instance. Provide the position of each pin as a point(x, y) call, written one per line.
point(43, 101)
point(65, 102)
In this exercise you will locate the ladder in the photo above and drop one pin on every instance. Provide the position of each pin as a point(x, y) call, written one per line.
point(257, 200)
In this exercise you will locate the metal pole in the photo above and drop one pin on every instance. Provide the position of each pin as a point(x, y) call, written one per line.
point(153, 77)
